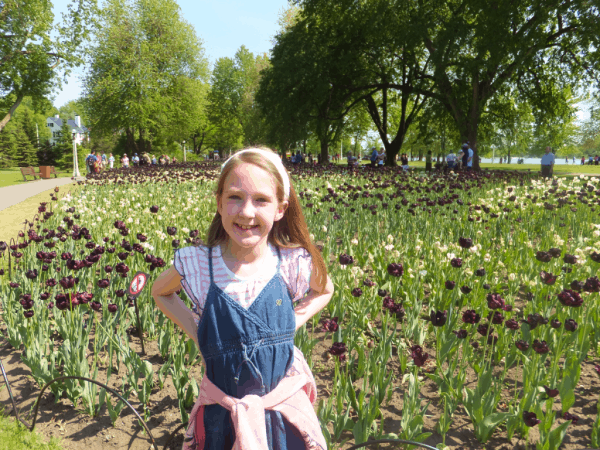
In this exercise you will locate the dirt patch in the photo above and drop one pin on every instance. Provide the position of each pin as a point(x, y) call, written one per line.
point(76, 429)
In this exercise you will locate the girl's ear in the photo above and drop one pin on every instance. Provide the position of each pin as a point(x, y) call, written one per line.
point(219, 204)
point(281, 211)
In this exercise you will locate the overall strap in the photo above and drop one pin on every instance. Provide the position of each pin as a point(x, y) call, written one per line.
point(210, 265)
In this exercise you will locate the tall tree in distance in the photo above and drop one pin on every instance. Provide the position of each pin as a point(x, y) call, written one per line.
point(33, 49)
point(146, 59)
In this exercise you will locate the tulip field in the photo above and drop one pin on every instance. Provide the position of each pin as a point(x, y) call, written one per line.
point(469, 300)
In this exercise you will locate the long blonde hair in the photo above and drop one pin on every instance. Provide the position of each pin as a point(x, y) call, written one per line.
point(289, 232)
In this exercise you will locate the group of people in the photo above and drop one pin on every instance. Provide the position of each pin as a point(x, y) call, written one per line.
point(464, 159)
point(595, 160)
point(95, 163)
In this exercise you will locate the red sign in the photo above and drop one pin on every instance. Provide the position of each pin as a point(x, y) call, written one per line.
point(138, 283)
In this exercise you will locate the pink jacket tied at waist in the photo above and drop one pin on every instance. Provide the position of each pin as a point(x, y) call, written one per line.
point(293, 398)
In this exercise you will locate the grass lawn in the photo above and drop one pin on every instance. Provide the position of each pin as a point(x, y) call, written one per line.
point(14, 436)
point(11, 176)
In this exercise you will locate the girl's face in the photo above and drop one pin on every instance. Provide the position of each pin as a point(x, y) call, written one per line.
point(249, 206)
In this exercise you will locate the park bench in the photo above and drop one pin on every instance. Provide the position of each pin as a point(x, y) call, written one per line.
point(29, 171)
point(55, 172)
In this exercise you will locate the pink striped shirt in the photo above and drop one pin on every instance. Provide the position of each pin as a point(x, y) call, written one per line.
point(192, 264)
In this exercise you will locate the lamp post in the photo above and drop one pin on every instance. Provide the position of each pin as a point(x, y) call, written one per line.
point(184, 157)
point(75, 159)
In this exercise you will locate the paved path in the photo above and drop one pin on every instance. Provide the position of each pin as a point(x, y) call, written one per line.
point(11, 195)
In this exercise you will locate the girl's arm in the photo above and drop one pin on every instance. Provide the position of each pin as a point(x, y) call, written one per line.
point(314, 302)
point(163, 291)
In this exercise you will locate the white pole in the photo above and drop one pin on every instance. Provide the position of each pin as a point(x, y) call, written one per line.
point(37, 133)
point(75, 159)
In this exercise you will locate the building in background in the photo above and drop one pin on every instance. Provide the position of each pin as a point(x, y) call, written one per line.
point(55, 125)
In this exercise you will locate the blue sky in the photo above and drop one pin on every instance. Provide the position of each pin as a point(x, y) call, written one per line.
point(223, 25)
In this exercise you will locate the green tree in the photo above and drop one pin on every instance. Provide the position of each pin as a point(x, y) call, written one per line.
point(25, 154)
point(146, 59)
point(8, 148)
point(33, 49)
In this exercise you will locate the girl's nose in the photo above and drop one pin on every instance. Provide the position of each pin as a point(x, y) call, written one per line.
point(247, 209)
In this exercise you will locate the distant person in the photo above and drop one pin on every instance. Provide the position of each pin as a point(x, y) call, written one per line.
point(573, 160)
point(590, 160)
point(547, 163)
point(154, 162)
point(125, 161)
point(450, 160)
point(583, 160)
point(90, 161)
point(135, 160)
point(381, 157)
point(404, 161)
point(374, 156)
point(566, 160)
point(174, 160)
point(467, 157)
point(111, 161)
point(104, 160)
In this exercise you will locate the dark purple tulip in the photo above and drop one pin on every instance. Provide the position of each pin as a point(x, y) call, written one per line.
point(465, 242)
point(120, 225)
point(570, 259)
point(123, 256)
point(438, 318)
point(547, 277)
point(108, 269)
point(555, 252)
point(470, 316)
point(368, 283)
point(45, 267)
point(66, 256)
point(121, 268)
point(483, 329)
point(1, 272)
point(44, 295)
point(90, 245)
point(110, 250)
point(330, 325)
point(530, 419)
point(571, 325)
point(419, 358)
point(171, 231)
point(339, 349)
point(103, 283)
point(569, 297)
point(346, 259)
point(68, 282)
point(592, 284)
point(555, 323)
point(120, 293)
point(28, 314)
point(357, 292)
point(572, 417)
point(512, 324)
point(382, 292)
point(522, 345)
point(495, 301)
point(96, 306)
point(175, 243)
point(194, 234)
point(551, 392)
point(543, 256)
point(51, 282)
point(40, 255)
point(31, 274)
point(450, 284)
point(3, 246)
point(594, 256)
point(395, 269)
point(154, 209)
point(461, 334)
point(540, 347)
point(577, 285)
point(112, 308)
point(486, 286)
point(141, 237)
point(480, 272)
point(465, 289)
point(456, 262)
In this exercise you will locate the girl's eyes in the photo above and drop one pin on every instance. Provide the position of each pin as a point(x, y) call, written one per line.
point(260, 199)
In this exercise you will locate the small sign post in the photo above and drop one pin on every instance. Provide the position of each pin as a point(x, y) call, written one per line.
point(135, 289)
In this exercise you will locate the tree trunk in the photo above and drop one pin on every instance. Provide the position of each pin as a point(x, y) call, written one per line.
point(324, 151)
point(11, 111)
point(131, 143)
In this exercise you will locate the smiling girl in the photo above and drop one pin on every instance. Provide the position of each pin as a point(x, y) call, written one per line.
point(257, 392)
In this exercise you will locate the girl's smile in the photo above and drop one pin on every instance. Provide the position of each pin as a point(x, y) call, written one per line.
point(248, 209)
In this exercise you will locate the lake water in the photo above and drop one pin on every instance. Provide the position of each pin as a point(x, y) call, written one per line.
point(534, 161)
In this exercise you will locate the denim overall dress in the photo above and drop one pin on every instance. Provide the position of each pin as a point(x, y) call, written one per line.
point(248, 351)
